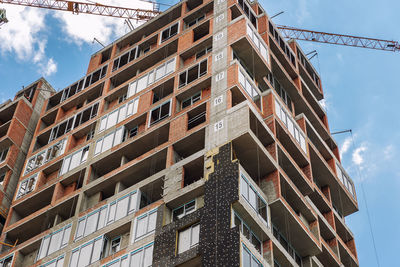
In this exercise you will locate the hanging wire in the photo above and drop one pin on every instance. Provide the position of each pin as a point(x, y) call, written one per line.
point(360, 176)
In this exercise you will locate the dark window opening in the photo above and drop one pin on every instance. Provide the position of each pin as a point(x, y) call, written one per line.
point(105, 55)
point(159, 113)
point(169, 32)
point(201, 31)
point(193, 73)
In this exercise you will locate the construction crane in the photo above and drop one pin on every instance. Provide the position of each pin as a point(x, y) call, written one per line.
point(144, 15)
point(3, 18)
point(88, 8)
point(338, 39)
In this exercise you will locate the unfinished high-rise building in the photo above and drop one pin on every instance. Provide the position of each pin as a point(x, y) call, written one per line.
point(197, 139)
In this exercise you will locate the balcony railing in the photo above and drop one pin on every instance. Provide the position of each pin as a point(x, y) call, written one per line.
point(291, 125)
point(346, 180)
point(247, 83)
point(253, 197)
point(287, 246)
point(258, 41)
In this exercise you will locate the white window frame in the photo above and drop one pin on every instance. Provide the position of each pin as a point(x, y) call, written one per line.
point(148, 231)
point(104, 213)
point(159, 107)
point(69, 160)
point(150, 77)
point(253, 258)
point(3, 154)
point(117, 138)
point(192, 243)
point(185, 212)
point(169, 28)
point(127, 259)
point(19, 195)
point(92, 251)
point(56, 262)
point(65, 233)
point(244, 181)
point(258, 41)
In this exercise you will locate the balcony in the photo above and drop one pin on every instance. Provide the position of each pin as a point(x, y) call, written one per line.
point(309, 74)
point(290, 134)
point(324, 176)
point(282, 51)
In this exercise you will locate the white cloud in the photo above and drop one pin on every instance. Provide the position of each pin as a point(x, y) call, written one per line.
point(49, 68)
point(358, 155)
point(84, 28)
point(20, 34)
point(345, 146)
point(24, 37)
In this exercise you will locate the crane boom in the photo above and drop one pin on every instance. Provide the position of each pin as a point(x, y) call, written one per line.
point(338, 39)
point(144, 15)
point(88, 8)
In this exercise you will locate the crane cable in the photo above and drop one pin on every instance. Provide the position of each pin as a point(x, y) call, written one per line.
point(366, 205)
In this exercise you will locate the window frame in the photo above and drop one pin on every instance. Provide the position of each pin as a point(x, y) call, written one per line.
point(178, 24)
point(160, 118)
point(190, 228)
point(19, 195)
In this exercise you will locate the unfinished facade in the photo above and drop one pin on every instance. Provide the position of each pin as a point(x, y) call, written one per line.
point(18, 119)
point(195, 140)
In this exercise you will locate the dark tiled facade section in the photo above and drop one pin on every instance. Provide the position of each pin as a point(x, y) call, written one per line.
point(219, 243)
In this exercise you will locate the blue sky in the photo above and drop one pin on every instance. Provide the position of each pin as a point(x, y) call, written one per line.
point(361, 89)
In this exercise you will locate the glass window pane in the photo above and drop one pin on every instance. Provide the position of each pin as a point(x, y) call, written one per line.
point(303, 143)
point(81, 225)
point(142, 84)
point(60, 262)
point(103, 123)
point(148, 256)
point(171, 66)
point(131, 89)
point(111, 215)
point(290, 127)
point(141, 227)
point(55, 242)
point(112, 119)
point(65, 166)
point(136, 258)
point(125, 262)
point(252, 198)
point(44, 247)
point(76, 160)
point(102, 218)
point(160, 72)
point(184, 239)
point(132, 203)
point(195, 235)
point(91, 223)
point(66, 235)
point(97, 149)
point(118, 136)
point(107, 143)
point(122, 208)
point(84, 256)
point(246, 258)
point(74, 258)
point(151, 77)
point(97, 248)
point(152, 222)
point(244, 188)
point(122, 113)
